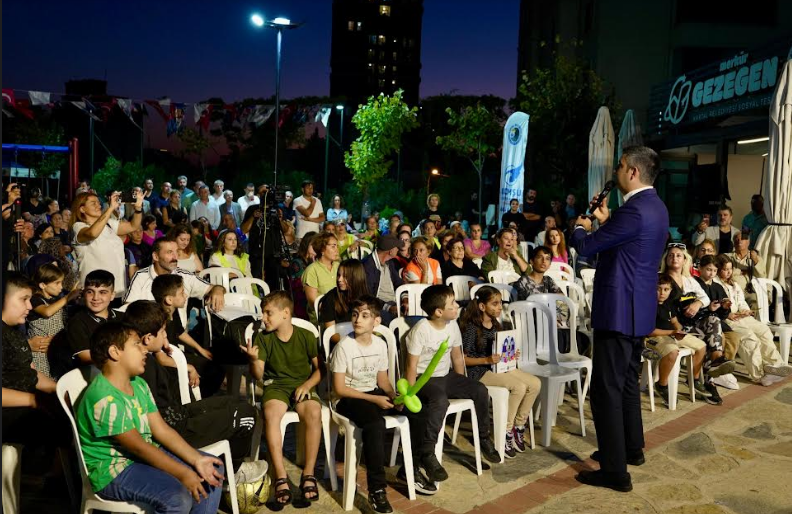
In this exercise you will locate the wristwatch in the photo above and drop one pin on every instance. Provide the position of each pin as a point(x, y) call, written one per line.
point(139, 211)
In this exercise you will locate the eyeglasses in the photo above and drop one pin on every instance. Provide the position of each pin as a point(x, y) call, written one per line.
point(681, 246)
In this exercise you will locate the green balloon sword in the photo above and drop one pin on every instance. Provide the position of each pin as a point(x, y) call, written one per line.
point(407, 393)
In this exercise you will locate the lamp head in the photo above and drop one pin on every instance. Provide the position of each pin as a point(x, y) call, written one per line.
point(435, 171)
point(340, 107)
point(257, 20)
point(281, 21)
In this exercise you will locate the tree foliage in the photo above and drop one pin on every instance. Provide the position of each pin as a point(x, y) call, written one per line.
point(41, 131)
point(381, 123)
point(118, 176)
point(562, 101)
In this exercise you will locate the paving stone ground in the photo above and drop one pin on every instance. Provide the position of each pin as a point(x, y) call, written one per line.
point(701, 459)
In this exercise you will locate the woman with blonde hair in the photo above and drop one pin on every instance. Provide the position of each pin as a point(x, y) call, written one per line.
point(554, 239)
point(188, 255)
point(99, 236)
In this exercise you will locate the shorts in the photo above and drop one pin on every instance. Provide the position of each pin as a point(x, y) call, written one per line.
point(668, 344)
point(284, 394)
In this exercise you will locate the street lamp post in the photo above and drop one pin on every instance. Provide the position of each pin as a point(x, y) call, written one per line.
point(278, 24)
point(435, 172)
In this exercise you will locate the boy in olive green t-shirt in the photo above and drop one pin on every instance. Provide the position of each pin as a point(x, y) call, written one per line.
point(288, 356)
point(118, 424)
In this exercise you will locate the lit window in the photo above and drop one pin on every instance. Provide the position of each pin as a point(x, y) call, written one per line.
point(373, 40)
point(393, 82)
point(359, 26)
point(380, 40)
point(395, 40)
point(370, 65)
point(395, 56)
point(384, 10)
point(381, 83)
point(351, 25)
point(383, 69)
point(371, 53)
point(394, 69)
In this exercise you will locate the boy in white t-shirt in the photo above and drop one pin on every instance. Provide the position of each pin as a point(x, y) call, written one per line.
point(363, 393)
point(423, 341)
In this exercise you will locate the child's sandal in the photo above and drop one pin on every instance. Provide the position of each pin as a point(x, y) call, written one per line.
point(309, 489)
point(282, 493)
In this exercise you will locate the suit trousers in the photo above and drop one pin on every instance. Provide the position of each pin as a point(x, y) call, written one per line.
point(615, 398)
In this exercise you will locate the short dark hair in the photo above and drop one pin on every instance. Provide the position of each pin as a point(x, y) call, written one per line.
point(707, 260)
point(435, 297)
point(13, 280)
point(307, 182)
point(99, 278)
point(540, 249)
point(664, 279)
point(456, 239)
point(47, 273)
point(157, 246)
point(280, 299)
point(372, 303)
point(149, 317)
point(114, 333)
point(645, 159)
point(724, 207)
point(165, 285)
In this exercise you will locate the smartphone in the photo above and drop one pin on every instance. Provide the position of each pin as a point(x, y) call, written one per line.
point(128, 197)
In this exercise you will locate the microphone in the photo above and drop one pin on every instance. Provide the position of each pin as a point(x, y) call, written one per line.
point(601, 197)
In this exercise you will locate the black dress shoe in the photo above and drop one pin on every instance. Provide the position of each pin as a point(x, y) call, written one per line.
point(602, 479)
point(633, 460)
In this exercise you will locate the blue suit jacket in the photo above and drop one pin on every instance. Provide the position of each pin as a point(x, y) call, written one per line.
point(630, 245)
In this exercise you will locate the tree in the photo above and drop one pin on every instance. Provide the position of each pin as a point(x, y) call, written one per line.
point(118, 176)
point(475, 135)
point(562, 101)
point(41, 132)
point(195, 144)
point(381, 123)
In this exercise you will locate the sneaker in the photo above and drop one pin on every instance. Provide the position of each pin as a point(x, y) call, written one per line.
point(251, 471)
point(488, 450)
point(519, 439)
point(769, 380)
point(662, 390)
point(720, 366)
point(508, 451)
point(714, 398)
point(779, 371)
point(701, 391)
point(727, 381)
point(434, 470)
point(422, 484)
point(379, 501)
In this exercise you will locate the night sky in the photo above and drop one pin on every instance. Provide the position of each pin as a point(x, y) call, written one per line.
point(193, 50)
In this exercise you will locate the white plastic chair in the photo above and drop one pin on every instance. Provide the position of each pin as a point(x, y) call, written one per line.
point(502, 277)
point(402, 326)
point(525, 249)
point(292, 417)
point(477, 261)
point(508, 293)
point(71, 386)
point(12, 474)
point(588, 278)
point(316, 303)
point(461, 286)
point(181, 370)
point(246, 302)
point(524, 315)
point(218, 276)
point(413, 292)
point(353, 437)
point(573, 359)
point(364, 249)
point(779, 326)
point(248, 286)
point(576, 293)
point(559, 276)
point(649, 376)
point(562, 266)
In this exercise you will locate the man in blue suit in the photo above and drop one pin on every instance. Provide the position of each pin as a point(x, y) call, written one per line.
point(630, 244)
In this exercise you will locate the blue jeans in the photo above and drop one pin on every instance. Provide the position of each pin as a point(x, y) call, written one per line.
point(146, 484)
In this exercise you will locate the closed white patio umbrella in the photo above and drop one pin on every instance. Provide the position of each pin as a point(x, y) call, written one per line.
point(629, 135)
point(601, 143)
point(775, 241)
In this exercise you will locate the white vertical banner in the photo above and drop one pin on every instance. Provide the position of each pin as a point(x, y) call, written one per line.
point(515, 140)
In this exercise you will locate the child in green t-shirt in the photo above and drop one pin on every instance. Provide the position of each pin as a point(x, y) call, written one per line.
point(118, 424)
point(288, 356)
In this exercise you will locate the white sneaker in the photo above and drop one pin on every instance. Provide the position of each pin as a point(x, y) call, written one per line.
point(727, 381)
point(769, 380)
point(250, 472)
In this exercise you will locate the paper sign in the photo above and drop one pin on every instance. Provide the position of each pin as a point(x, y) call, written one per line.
point(506, 345)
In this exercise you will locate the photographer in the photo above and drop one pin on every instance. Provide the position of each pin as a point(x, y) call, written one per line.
point(96, 235)
point(265, 239)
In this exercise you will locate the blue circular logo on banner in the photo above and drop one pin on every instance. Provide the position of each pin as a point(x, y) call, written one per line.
point(513, 175)
point(514, 134)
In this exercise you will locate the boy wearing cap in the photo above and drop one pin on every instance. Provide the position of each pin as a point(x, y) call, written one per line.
point(382, 274)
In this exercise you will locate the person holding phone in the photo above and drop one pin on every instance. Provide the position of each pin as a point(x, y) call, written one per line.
point(98, 236)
